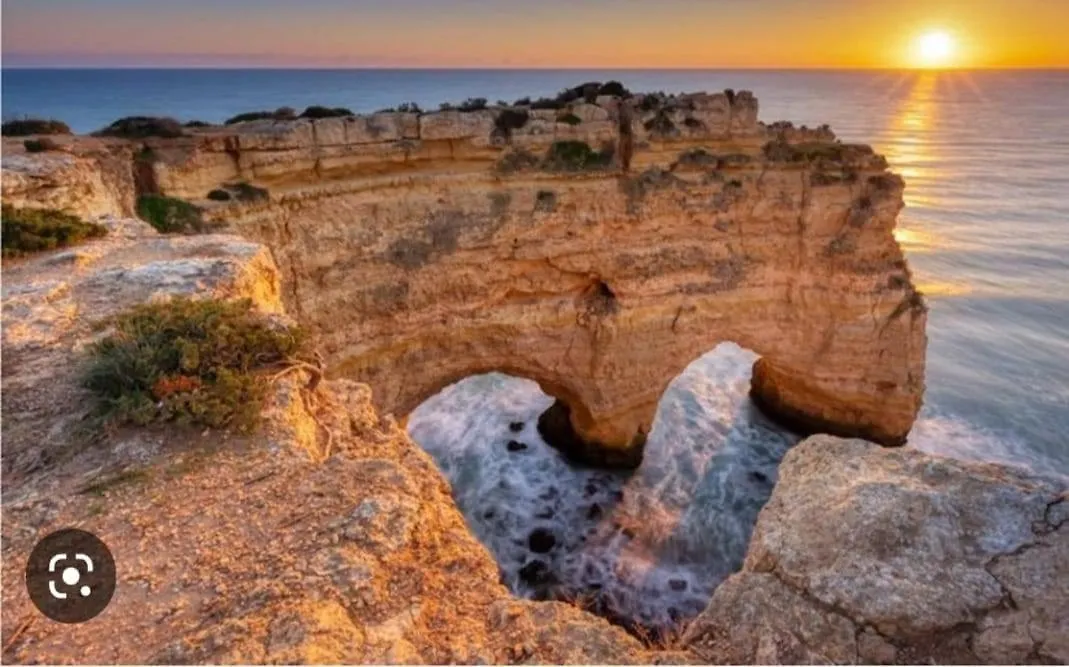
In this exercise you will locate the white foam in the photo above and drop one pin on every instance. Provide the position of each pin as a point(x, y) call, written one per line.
point(654, 545)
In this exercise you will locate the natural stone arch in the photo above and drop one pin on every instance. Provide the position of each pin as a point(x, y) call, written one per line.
point(424, 248)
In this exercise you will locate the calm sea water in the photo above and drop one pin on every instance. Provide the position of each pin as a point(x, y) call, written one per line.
point(986, 159)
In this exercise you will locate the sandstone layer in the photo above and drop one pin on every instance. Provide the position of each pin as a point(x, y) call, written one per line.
point(424, 248)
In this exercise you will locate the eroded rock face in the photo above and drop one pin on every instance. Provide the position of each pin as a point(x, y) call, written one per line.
point(889, 556)
point(90, 177)
point(423, 249)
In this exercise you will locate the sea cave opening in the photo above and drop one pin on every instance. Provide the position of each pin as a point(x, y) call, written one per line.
point(644, 548)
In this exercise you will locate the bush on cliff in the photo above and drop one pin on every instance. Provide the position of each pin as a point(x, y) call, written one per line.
point(185, 361)
point(27, 231)
point(576, 156)
point(282, 113)
point(25, 127)
point(219, 195)
point(569, 119)
point(472, 104)
point(172, 216)
point(511, 119)
point(41, 145)
point(316, 112)
point(142, 127)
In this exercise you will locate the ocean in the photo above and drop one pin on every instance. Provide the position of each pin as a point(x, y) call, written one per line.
point(985, 156)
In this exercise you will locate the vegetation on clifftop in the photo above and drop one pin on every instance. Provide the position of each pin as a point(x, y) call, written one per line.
point(25, 127)
point(576, 156)
point(172, 216)
point(143, 127)
point(282, 113)
point(185, 361)
point(36, 230)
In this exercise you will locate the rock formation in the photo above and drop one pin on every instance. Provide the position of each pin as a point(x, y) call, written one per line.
point(425, 248)
point(297, 546)
point(865, 555)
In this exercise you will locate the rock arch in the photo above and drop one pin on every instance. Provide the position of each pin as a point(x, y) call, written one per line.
point(421, 249)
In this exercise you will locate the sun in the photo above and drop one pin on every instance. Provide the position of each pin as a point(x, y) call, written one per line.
point(935, 48)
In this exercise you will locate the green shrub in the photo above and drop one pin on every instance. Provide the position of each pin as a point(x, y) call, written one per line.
point(25, 127)
point(511, 119)
point(614, 89)
point(35, 230)
point(185, 361)
point(40, 145)
point(197, 123)
point(472, 104)
point(569, 119)
point(282, 113)
point(587, 92)
point(407, 107)
point(516, 161)
point(171, 216)
point(547, 103)
point(219, 195)
point(661, 125)
point(576, 156)
point(141, 127)
point(315, 112)
point(446, 106)
point(522, 102)
point(247, 192)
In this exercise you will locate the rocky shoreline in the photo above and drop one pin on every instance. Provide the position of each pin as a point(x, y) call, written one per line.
point(331, 537)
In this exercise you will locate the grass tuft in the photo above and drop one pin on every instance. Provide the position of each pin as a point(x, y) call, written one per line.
point(187, 362)
point(28, 231)
point(171, 216)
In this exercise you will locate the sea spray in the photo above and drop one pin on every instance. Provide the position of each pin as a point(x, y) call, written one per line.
point(645, 549)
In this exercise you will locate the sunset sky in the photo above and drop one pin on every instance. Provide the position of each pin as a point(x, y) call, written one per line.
point(531, 33)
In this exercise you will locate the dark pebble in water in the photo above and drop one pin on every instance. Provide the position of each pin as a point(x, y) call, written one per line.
point(489, 514)
point(547, 513)
point(516, 427)
point(541, 541)
point(535, 573)
point(759, 477)
point(677, 585)
point(591, 488)
point(516, 446)
point(593, 512)
point(549, 494)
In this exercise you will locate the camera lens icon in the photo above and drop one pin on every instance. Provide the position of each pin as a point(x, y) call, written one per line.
point(70, 576)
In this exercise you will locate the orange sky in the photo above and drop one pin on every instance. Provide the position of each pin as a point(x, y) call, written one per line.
point(529, 33)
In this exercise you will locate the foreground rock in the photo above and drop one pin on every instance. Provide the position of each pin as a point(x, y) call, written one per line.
point(329, 537)
point(892, 556)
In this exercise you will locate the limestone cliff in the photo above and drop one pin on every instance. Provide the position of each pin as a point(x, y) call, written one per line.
point(423, 248)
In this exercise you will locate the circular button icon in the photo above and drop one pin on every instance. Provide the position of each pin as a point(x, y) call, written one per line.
point(71, 576)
